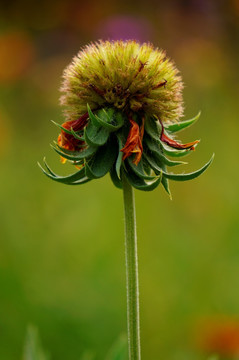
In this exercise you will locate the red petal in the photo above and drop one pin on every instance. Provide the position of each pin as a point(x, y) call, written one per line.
point(68, 141)
point(78, 124)
point(174, 144)
point(177, 145)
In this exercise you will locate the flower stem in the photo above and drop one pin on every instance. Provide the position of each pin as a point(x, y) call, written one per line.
point(131, 271)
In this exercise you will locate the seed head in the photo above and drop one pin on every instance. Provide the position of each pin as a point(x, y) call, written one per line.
point(125, 75)
point(123, 103)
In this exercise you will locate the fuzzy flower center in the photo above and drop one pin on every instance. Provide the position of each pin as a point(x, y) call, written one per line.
point(126, 75)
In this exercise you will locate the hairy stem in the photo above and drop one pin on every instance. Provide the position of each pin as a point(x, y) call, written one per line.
point(131, 272)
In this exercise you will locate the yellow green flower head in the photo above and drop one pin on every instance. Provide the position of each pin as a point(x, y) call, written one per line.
point(125, 75)
point(123, 103)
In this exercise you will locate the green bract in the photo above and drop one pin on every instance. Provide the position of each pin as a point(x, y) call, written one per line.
point(105, 135)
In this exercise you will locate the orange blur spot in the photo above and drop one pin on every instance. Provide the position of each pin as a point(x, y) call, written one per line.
point(220, 336)
point(16, 55)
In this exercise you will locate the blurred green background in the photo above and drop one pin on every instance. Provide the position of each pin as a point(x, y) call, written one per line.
point(62, 248)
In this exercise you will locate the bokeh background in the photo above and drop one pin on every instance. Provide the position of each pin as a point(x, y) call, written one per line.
point(62, 248)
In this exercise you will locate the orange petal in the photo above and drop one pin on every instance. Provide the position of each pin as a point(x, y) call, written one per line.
point(133, 143)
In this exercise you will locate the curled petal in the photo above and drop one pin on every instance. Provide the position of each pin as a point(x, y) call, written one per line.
point(174, 144)
point(68, 141)
point(133, 143)
point(78, 124)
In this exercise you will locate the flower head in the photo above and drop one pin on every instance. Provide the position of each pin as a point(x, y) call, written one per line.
point(123, 103)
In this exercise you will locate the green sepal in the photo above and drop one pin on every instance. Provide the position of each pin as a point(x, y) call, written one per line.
point(153, 163)
point(182, 125)
point(102, 161)
point(166, 187)
point(107, 118)
point(61, 127)
point(78, 162)
point(139, 170)
point(178, 177)
point(70, 132)
point(85, 153)
point(73, 179)
point(153, 128)
point(48, 168)
point(139, 183)
point(80, 182)
point(189, 176)
point(65, 179)
point(81, 162)
point(155, 148)
point(159, 170)
point(96, 136)
point(165, 182)
point(146, 167)
point(119, 157)
point(115, 179)
point(175, 153)
point(69, 152)
point(76, 136)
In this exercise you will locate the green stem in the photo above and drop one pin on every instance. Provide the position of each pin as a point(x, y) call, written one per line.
point(131, 271)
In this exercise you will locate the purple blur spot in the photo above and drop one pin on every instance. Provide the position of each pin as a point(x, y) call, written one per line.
point(125, 28)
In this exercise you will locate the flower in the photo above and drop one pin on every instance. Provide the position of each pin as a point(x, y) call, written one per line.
point(123, 103)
